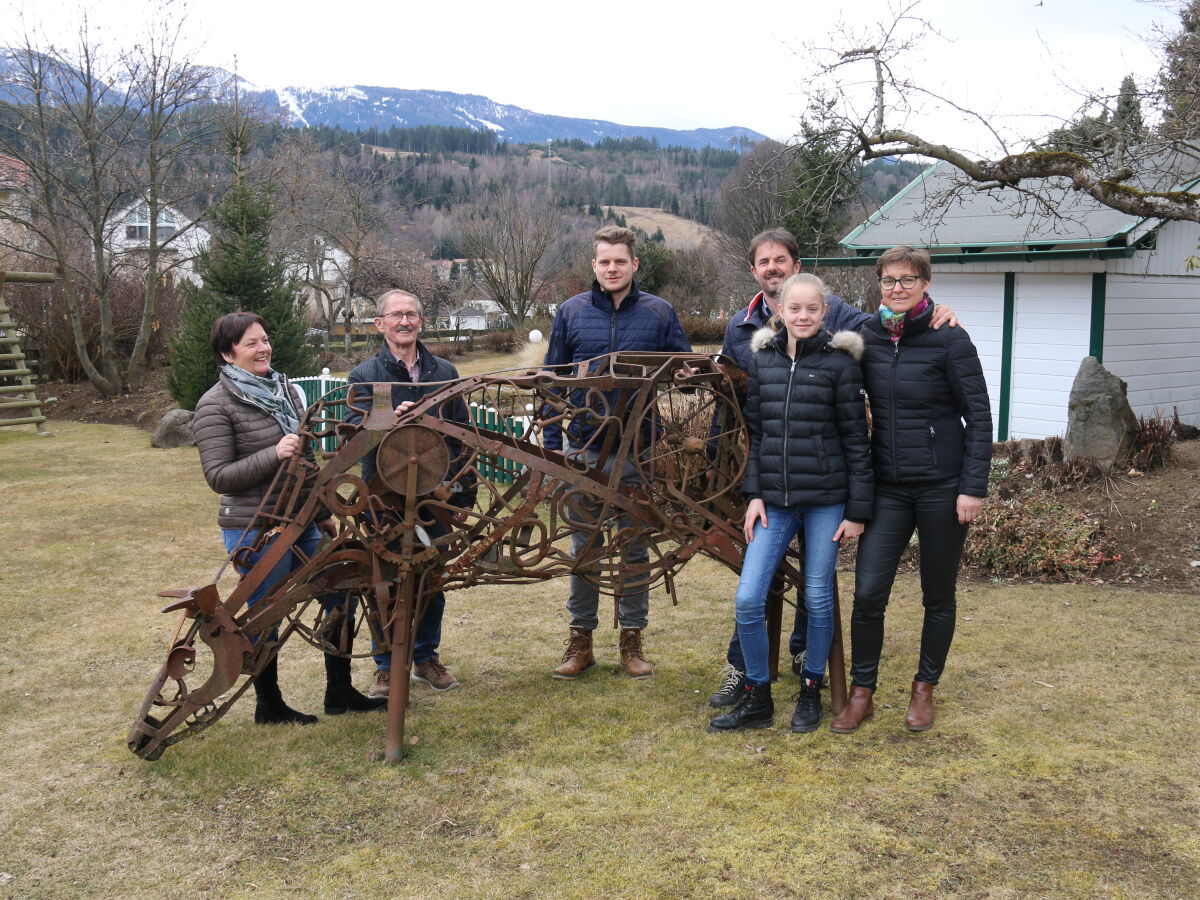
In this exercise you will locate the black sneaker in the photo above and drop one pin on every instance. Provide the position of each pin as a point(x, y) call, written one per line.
point(731, 689)
point(798, 663)
point(808, 707)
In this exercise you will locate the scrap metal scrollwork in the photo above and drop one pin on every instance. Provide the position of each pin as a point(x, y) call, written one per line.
point(413, 530)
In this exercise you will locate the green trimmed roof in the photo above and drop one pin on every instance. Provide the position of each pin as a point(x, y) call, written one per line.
point(941, 209)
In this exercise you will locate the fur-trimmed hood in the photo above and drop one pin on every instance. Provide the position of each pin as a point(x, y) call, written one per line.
point(761, 338)
point(849, 341)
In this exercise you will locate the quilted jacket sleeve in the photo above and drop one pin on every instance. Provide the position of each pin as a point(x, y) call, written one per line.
point(676, 339)
point(558, 353)
point(851, 413)
point(753, 417)
point(216, 439)
point(841, 316)
point(970, 391)
point(358, 396)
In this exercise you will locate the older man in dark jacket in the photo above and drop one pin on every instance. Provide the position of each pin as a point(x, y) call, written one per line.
point(613, 316)
point(415, 372)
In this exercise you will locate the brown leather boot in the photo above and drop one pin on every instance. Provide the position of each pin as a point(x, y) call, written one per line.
point(859, 707)
point(920, 707)
point(631, 654)
point(578, 657)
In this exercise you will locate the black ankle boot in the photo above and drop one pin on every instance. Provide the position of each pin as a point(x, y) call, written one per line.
point(754, 710)
point(340, 695)
point(270, 708)
point(808, 707)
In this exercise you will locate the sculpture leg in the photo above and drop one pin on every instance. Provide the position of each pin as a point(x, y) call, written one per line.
point(837, 658)
point(774, 619)
point(403, 635)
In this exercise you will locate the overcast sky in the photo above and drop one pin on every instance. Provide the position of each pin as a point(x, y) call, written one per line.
point(672, 64)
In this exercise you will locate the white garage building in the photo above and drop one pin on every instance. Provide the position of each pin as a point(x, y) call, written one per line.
point(1038, 292)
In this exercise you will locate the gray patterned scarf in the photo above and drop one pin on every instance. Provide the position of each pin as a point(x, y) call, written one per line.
point(268, 394)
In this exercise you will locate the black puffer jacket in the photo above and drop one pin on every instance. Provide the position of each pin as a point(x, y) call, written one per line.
point(237, 442)
point(931, 416)
point(808, 424)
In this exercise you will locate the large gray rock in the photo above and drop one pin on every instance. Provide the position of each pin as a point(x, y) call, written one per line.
point(1100, 421)
point(174, 430)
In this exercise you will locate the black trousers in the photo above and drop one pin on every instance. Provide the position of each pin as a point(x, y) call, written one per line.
point(929, 508)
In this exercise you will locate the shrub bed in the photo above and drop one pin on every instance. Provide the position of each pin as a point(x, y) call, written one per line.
point(704, 330)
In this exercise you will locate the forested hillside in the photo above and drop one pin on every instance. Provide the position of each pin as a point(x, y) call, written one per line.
point(458, 215)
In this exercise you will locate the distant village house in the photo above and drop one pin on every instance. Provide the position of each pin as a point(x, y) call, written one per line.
point(180, 240)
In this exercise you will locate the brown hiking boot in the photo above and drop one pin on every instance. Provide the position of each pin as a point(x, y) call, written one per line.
point(578, 657)
point(920, 707)
point(859, 707)
point(383, 681)
point(631, 654)
point(434, 674)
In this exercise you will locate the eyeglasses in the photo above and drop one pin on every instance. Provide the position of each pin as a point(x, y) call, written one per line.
point(400, 316)
point(905, 281)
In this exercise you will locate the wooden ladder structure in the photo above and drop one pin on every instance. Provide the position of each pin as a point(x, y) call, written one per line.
point(12, 360)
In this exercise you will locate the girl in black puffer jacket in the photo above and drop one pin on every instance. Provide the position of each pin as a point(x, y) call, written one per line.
point(809, 464)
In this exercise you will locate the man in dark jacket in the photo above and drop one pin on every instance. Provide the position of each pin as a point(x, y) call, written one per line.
point(613, 316)
point(415, 372)
point(774, 256)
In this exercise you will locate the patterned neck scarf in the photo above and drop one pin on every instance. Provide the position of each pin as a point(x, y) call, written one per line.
point(268, 394)
point(894, 322)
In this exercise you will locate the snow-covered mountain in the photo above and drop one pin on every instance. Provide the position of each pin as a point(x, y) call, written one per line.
point(363, 106)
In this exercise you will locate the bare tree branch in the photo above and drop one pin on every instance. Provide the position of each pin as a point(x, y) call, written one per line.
point(1120, 164)
point(509, 242)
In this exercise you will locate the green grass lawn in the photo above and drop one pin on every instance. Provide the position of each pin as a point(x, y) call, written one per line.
point(1063, 763)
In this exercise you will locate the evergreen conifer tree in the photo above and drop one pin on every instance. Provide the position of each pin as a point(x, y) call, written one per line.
point(240, 271)
point(1128, 115)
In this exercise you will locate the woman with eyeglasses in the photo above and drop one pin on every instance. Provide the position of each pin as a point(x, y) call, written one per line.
point(245, 428)
point(932, 448)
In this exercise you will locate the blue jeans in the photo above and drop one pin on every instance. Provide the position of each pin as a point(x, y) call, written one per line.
point(429, 635)
point(763, 555)
point(796, 643)
point(308, 543)
point(429, 628)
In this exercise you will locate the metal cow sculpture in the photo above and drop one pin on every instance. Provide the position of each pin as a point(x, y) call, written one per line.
point(384, 562)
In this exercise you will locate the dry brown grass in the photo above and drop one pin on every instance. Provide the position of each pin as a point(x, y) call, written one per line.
point(526, 355)
point(678, 232)
point(1063, 763)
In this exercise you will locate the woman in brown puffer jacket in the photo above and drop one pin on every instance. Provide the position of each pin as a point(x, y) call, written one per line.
point(245, 427)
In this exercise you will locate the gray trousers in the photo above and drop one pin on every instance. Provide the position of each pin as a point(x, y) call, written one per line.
point(633, 607)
